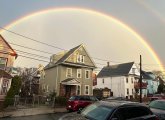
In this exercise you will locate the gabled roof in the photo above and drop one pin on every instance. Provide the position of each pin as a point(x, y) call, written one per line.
point(65, 57)
point(115, 70)
point(14, 53)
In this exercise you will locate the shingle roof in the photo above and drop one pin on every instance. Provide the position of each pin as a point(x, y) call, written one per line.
point(146, 75)
point(63, 58)
point(116, 70)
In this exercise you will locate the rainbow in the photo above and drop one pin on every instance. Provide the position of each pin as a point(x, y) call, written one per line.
point(97, 13)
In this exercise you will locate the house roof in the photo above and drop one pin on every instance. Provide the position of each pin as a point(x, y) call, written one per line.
point(14, 53)
point(116, 70)
point(70, 81)
point(5, 74)
point(146, 75)
point(64, 57)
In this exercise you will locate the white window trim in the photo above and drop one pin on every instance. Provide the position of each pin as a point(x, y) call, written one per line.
point(85, 90)
point(80, 58)
point(80, 89)
point(89, 74)
point(80, 73)
point(67, 72)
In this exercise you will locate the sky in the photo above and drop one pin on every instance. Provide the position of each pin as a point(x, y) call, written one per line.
point(103, 37)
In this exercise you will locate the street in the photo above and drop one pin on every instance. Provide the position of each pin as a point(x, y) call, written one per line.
point(54, 116)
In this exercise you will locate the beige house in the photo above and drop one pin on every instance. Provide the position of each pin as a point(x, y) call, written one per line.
point(69, 73)
point(7, 58)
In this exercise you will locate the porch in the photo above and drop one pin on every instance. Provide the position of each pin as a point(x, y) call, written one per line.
point(69, 87)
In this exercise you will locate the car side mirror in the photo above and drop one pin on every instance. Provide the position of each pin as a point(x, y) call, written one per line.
point(79, 111)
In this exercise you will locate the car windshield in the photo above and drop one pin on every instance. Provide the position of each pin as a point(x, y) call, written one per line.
point(157, 105)
point(96, 112)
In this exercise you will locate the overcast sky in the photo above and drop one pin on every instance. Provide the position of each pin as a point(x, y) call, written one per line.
point(147, 18)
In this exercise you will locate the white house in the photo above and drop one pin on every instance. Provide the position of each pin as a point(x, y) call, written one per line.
point(119, 78)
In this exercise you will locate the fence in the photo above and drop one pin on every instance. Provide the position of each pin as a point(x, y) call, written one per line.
point(36, 101)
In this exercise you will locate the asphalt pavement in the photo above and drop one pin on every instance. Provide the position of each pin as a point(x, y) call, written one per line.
point(52, 116)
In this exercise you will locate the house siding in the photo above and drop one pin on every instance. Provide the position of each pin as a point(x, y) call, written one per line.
point(116, 84)
point(50, 79)
point(82, 80)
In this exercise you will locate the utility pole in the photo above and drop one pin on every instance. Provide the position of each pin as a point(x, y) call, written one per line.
point(140, 80)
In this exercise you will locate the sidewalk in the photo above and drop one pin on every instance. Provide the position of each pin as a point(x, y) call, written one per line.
point(31, 111)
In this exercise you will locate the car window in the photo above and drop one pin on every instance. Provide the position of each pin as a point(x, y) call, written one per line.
point(158, 105)
point(92, 98)
point(96, 112)
point(131, 112)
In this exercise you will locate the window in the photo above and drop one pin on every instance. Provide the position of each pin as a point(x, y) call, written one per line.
point(3, 62)
point(87, 74)
point(78, 90)
point(68, 72)
point(130, 113)
point(127, 80)
point(132, 91)
point(133, 70)
point(80, 58)
point(127, 91)
point(132, 80)
point(103, 81)
point(86, 89)
point(78, 73)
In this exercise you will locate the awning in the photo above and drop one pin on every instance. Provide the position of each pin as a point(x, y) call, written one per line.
point(70, 81)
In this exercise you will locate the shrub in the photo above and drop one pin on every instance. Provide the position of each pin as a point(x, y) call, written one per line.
point(14, 90)
point(60, 100)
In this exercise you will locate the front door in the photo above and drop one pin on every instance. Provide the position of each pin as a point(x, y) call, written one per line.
point(67, 91)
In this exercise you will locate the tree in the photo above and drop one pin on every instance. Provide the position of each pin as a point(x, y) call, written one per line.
point(14, 90)
point(161, 88)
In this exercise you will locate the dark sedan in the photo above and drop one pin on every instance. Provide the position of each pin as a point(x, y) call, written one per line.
point(158, 108)
point(117, 110)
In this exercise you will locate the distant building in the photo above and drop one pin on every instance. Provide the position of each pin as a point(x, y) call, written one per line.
point(152, 82)
point(120, 79)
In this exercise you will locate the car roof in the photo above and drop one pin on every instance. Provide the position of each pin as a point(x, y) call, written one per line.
point(119, 103)
point(160, 100)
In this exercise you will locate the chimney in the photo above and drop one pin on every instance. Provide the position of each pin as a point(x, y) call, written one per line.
point(107, 64)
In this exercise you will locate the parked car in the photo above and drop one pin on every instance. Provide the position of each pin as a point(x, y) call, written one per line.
point(116, 98)
point(79, 102)
point(158, 108)
point(157, 97)
point(114, 110)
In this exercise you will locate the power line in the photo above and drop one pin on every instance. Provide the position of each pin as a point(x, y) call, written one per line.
point(47, 44)
point(31, 48)
point(31, 39)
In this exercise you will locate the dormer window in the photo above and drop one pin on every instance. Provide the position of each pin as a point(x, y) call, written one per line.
point(80, 58)
point(133, 70)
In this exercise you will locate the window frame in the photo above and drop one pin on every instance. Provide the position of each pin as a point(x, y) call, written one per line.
point(77, 89)
point(88, 74)
point(127, 91)
point(127, 80)
point(67, 72)
point(79, 73)
point(85, 90)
